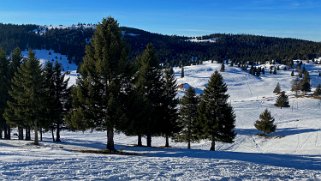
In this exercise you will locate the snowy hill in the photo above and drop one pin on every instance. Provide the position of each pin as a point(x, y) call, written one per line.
point(293, 153)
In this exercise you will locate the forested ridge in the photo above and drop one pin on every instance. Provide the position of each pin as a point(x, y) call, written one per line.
point(174, 50)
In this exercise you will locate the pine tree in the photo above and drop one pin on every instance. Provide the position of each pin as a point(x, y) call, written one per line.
point(305, 82)
point(277, 89)
point(217, 117)
point(317, 91)
point(188, 118)
point(292, 73)
point(222, 67)
point(150, 86)
point(4, 87)
point(296, 86)
point(182, 72)
point(99, 86)
point(16, 60)
point(27, 96)
point(265, 123)
point(58, 102)
point(169, 123)
point(282, 100)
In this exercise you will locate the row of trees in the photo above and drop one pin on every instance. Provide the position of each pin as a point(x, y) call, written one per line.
point(112, 94)
point(139, 99)
point(32, 97)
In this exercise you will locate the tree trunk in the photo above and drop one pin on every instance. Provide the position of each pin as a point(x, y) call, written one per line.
point(139, 140)
point(8, 132)
point(20, 133)
point(28, 137)
point(58, 133)
point(188, 144)
point(212, 144)
point(149, 140)
point(52, 134)
point(110, 139)
point(40, 134)
point(36, 141)
point(166, 141)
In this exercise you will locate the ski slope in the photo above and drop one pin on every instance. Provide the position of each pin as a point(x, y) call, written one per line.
point(293, 153)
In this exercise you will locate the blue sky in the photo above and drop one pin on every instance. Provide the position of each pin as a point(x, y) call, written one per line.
point(281, 18)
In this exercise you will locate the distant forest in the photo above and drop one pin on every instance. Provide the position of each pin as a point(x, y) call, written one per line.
point(172, 50)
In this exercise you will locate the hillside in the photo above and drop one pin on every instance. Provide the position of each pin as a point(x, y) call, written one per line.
point(292, 153)
point(173, 50)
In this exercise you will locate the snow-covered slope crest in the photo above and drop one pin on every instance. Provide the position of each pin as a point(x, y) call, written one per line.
point(45, 56)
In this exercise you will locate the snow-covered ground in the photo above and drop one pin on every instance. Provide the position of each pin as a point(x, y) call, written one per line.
point(293, 153)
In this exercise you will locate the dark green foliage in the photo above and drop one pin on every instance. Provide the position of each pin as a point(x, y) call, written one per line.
point(222, 67)
point(97, 96)
point(305, 82)
point(265, 123)
point(217, 115)
point(188, 118)
point(317, 91)
point(58, 97)
point(26, 107)
point(239, 48)
point(4, 87)
point(169, 124)
point(182, 72)
point(150, 87)
point(292, 73)
point(282, 100)
point(296, 86)
point(277, 89)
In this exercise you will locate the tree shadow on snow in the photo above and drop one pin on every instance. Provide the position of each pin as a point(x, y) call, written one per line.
point(310, 162)
point(280, 132)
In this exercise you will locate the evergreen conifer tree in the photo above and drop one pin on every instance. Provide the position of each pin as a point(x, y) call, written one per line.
point(317, 91)
point(150, 86)
point(16, 60)
point(292, 73)
point(98, 91)
point(296, 86)
point(182, 72)
point(4, 87)
point(282, 100)
point(217, 117)
point(265, 123)
point(169, 125)
point(27, 96)
point(58, 102)
point(305, 82)
point(277, 89)
point(188, 118)
point(222, 67)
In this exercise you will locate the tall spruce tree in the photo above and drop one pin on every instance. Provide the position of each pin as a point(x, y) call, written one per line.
point(217, 115)
point(4, 87)
point(305, 82)
point(188, 118)
point(150, 86)
point(317, 91)
point(58, 102)
point(27, 96)
point(222, 67)
point(169, 105)
point(16, 60)
point(100, 83)
point(277, 89)
point(265, 123)
point(282, 100)
point(182, 72)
